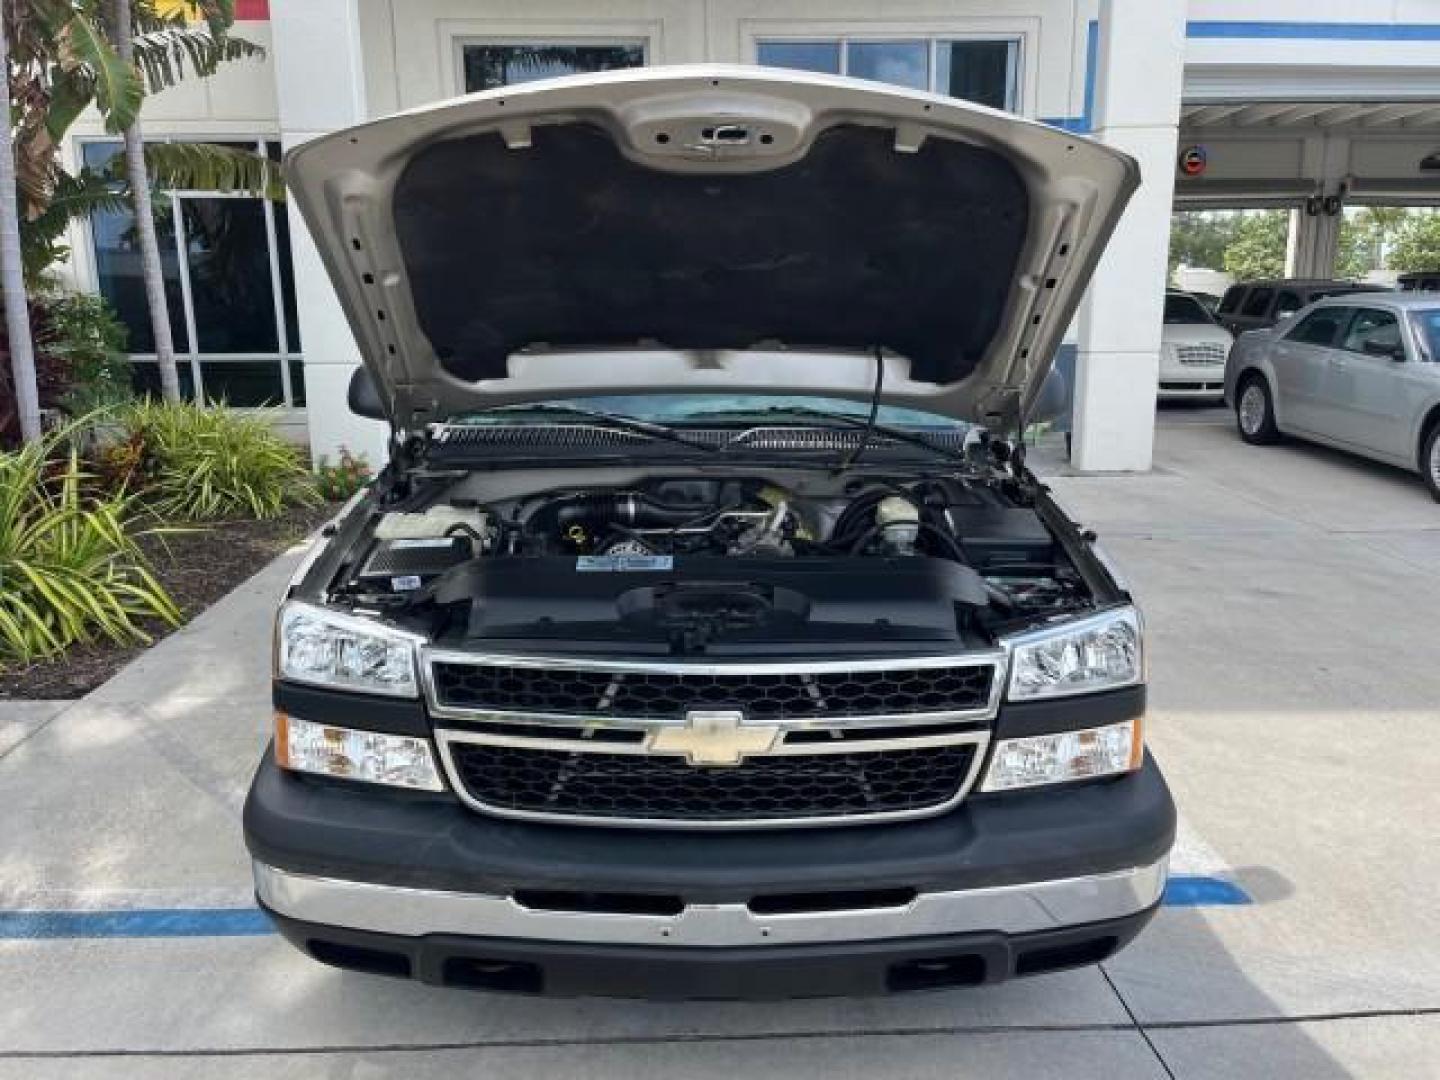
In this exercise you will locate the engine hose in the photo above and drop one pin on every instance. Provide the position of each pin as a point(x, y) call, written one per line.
point(598, 512)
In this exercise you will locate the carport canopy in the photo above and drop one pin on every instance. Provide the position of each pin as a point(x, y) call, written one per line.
point(1315, 156)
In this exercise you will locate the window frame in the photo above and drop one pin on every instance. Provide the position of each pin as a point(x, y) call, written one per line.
point(932, 36)
point(1355, 313)
point(1300, 301)
point(1426, 351)
point(1343, 315)
point(285, 354)
point(1206, 318)
point(618, 39)
point(1239, 292)
point(1269, 292)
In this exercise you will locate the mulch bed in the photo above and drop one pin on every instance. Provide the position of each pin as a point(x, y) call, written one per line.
point(197, 568)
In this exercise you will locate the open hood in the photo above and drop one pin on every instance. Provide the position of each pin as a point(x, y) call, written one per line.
point(708, 229)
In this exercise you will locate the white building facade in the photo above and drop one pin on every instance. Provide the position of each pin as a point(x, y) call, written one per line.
point(1306, 104)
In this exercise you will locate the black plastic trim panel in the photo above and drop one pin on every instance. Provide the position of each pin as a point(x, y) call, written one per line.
point(849, 968)
point(1069, 714)
point(366, 712)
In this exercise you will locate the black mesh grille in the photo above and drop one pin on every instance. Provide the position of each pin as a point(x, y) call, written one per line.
point(655, 787)
point(668, 694)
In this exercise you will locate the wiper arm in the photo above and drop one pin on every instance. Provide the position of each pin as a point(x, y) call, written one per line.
point(839, 420)
point(612, 420)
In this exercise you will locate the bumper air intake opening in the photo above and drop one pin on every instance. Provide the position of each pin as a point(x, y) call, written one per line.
point(852, 900)
point(358, 958)
point(1069, 955)
point(936, 973)
point(506, 976)
point(602, 903)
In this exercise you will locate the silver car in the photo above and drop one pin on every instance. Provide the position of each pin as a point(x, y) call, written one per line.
point(1358, 372)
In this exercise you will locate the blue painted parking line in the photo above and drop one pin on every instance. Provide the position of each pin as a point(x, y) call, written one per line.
point(139, 923)
point(1180, 891)
point(1183, 891)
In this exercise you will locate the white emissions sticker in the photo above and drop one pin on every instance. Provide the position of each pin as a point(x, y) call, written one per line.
point(406, 583)
point(613, 563)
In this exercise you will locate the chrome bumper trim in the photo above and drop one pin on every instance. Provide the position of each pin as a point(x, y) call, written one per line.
point(1010, 909)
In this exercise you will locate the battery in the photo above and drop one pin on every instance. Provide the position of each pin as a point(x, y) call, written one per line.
point(997, 538)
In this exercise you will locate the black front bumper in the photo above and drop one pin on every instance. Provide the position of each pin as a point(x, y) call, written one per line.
point(354, 833)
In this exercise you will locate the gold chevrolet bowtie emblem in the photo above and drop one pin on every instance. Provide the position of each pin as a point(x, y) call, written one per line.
point(714, 737)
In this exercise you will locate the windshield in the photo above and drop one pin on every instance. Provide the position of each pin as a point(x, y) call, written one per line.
point(710, 409)
point(1184, 310)
point(1426, 322)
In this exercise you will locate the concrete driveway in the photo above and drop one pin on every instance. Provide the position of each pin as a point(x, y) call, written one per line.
point(1291, 595)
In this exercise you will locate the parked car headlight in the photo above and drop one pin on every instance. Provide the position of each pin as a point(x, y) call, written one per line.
point(1066, 755)
point(372, 756)
point(328, 648)
point(1101, 652)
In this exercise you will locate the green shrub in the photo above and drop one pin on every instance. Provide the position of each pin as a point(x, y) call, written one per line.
point(84, 332)
point(70, 567)
point(338, 482)
point(198, 463)
point(80, 364)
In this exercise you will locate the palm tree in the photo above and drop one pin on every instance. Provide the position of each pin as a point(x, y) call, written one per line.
point(68, 54)
point(149, 243)
point(12, 278)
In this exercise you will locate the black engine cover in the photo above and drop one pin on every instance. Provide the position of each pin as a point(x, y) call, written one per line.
point(716, 604)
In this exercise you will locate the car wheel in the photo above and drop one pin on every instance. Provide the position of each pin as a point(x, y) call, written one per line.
point(1430, 460)
point(1255, 413)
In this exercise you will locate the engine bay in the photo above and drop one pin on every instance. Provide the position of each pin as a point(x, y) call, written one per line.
point(687, 562)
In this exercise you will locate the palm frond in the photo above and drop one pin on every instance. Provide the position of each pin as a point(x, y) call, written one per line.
point(74, 197)
point(70, 92)
point(165, 52)
point(210, 167)
point(87, 55)
point(218, 15)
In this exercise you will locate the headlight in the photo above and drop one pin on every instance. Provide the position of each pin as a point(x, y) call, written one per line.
point(1067, 755)
point(397, 760)
point(1102, 652)
point(327, 648)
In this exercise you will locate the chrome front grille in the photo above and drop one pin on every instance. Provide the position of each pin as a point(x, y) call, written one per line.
point(667, 694)
point(1201, 354)
point(712, 744)
point(760, 790)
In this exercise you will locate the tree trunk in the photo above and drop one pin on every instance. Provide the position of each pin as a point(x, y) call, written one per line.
point(12, 274)
point(139, 181)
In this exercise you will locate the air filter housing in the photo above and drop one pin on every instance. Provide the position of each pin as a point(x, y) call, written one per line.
point(408, 564)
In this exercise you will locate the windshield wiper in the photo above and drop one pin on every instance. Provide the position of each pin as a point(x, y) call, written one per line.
point(611, 420)
point(832, 419)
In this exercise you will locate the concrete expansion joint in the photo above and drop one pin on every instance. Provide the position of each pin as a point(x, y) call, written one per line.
point(699, 1039)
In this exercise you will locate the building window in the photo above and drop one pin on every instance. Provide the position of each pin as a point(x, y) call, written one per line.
point(486, 65)
point(229, 285)
point(985, 71)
